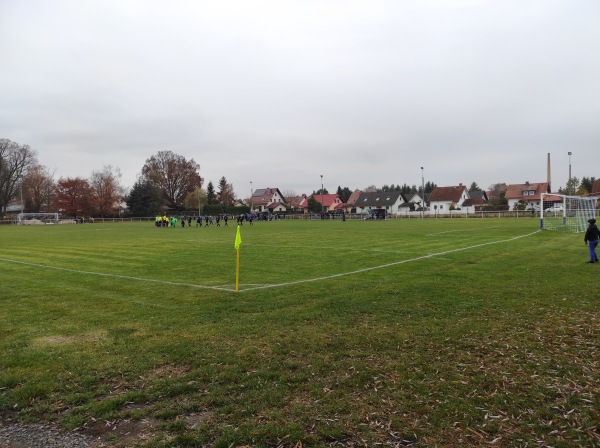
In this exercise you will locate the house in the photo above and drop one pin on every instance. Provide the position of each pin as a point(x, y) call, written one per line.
point(390, 201)
point(412, 202)
point(477, 199)
point(296, 203)
point(596, 188)
point(445, 199)
point(329, 202)
point(268, 200)
point(528, 194)
point(354, 197)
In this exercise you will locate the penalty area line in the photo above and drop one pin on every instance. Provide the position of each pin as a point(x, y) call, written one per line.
point(123, 277)
point(387, 265)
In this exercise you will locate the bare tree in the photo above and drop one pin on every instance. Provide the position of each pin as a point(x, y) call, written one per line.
point(14, 161)
point(196, 200)
point(289, 193)
point(107, 190)
point(174, 175)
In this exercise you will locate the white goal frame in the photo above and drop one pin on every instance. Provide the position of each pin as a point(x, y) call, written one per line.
point(566, 213)
point(37, 218)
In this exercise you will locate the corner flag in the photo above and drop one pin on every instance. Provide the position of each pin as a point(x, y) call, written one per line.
point(238, 239)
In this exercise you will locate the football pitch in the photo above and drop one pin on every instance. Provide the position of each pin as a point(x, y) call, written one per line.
point(435, 332)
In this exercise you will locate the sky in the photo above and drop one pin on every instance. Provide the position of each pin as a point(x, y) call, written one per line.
point(277, 93)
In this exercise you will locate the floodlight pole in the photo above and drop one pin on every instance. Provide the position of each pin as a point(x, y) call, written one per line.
point(569, 189)
point(423, 191)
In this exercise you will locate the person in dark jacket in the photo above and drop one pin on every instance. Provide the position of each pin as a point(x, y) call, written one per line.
point(591, 240)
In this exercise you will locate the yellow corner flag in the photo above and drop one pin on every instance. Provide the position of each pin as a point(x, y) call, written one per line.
point(238, 242)
point(238, 239)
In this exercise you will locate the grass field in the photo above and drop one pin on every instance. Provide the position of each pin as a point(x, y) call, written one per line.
point(425, 333)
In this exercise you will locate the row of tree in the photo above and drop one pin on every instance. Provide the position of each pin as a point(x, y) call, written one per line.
point(170, 177)
point(167, 181)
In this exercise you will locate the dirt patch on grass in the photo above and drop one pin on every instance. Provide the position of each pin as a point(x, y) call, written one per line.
point(85, 338)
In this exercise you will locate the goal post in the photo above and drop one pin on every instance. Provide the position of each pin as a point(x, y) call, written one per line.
point(566, 213)
point(37, 218)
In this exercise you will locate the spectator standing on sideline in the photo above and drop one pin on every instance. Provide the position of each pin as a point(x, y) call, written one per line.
point(591, 240)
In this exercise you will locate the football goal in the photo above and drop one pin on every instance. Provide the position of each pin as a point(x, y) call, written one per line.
point(567, 213)
point(37, 218)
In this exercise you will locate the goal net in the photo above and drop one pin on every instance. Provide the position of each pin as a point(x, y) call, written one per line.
point(37, 218)
point(566, 213)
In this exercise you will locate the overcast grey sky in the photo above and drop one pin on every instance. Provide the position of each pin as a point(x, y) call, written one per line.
point(279, 92)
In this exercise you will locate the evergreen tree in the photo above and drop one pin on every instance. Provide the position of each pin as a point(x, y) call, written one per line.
point(210, 193)
point(405, 189)
point(145, 199)
point(344, 193)
point(474, 187)
point(225, 192)
point(429, 187)
point(313, 205)
point(587, 184)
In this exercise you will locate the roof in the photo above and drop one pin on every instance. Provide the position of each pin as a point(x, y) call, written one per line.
point(447, 194)
point(473, 201)
point(515, 191)
point(296, 201)
point(596, 187)
point(379, 199)
point(354, 197)
point(327, 199)
point(264, 196)
point(479, 194)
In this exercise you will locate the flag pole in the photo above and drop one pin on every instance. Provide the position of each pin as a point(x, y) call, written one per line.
point(237, 271)
point(238, 242)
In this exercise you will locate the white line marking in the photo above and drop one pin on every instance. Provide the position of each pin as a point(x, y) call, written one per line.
point(275, 285)
point(462, 230)
point(387, 265)
point(125, 277)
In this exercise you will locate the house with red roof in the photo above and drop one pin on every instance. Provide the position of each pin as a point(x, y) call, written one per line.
point(596, 188)
point(296, 203)
point(329, 202)
point(528, 193)
point(445, 199)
